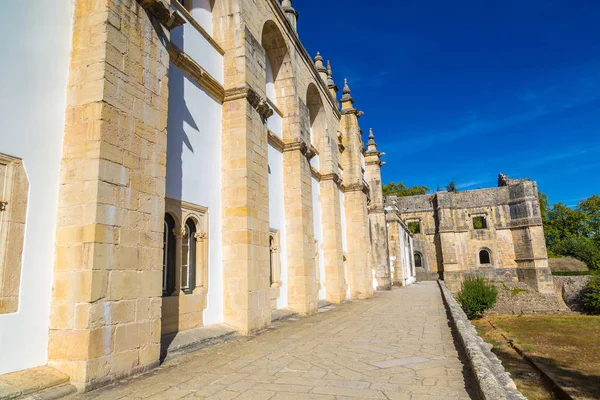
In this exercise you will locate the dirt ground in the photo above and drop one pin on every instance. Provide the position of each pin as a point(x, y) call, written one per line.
point(567, 345)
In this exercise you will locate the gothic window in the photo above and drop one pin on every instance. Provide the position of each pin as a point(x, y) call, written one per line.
point(479, 222)
point(169, 247)
point(14, 190)
point(189, 246)
point(188, 257)
point(270, 260)
point(274, 259)
point(484, 257)
point(418, 260)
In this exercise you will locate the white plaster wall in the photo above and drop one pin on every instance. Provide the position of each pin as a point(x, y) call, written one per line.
point(33, 78)
point(344, 240)
point(413, 272)
point(187, 38)
point(277, 217)
point(275, 124)
point(202, 12)
point(318, 227)
point(194, 169)
point(343, 214)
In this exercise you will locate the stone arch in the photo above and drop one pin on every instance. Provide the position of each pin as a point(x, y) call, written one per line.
point(169, 270)
point(419, 259)
point(317, 118)
point(278, 66)
point(485, 256)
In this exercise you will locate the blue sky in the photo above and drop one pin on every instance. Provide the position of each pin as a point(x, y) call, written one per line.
point(463, 90)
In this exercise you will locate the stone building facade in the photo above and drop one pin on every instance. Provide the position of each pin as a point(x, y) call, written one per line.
point(496, 233)
point(204, 172)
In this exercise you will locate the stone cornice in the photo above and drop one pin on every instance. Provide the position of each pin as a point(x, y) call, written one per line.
point(291, 32)
point(357, 187)
point(376, 209)
point(192, 69)
point(316, 174)
point(255, 100)
point(378, 163)
point(162, 11)
point(332, 177)
point(308, 151)
point(352, 110)
point(276, 142)
point(275, 108)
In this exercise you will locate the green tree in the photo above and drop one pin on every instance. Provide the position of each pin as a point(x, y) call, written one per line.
point(590, 209)
point(401, 190)
point(573, 232)
point(452, 187)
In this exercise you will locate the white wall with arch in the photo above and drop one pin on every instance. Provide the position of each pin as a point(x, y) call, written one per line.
point(194, 169)
point(318, 228)
point(33, 82)
point(277, 217)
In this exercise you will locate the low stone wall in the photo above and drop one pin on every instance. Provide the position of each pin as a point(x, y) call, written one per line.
point(515, 298)
point(493, 382)
point(569, 288)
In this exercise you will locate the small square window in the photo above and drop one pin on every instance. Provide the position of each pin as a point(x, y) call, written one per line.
point(414, 226)
point(479, 222)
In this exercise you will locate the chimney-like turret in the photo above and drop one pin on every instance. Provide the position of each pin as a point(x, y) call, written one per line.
point(320, 67)
point(330, 83)
point(290, 13)
point(347, 100)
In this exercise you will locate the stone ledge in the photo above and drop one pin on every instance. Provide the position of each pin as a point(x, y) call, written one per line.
point(492, 380)
point(194, 339)
point(282, 314)
point(35, 383)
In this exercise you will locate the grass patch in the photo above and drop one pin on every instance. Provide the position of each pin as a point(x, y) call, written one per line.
point(528, 380)
point(516, 291)
point(568, 345)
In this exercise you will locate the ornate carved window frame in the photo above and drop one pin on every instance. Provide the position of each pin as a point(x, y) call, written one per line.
point(14, 193)
point(183, 211)
point(275, 254)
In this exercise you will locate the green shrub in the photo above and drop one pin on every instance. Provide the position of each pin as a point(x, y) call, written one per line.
point(477, 296)
point(581, 248)
point(591, 296)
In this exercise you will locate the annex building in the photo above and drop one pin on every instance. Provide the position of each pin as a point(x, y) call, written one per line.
point(171, 165)
point(496, 233)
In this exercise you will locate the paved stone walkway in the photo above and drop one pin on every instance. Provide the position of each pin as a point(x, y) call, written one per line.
point(395, 346)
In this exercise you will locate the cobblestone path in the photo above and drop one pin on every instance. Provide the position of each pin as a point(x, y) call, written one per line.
point(397, 345)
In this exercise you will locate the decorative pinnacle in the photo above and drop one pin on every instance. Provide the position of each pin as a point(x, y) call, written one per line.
point(371, 139)
point(346, 97)
point(319, 63)
point(346, 87)
point(330, 83)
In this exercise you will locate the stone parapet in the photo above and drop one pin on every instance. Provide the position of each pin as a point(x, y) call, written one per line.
point(491, 379)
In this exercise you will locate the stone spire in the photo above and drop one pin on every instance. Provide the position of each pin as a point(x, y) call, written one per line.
point(290, 13)
point(320, 67)
point(372, 145)
point(372, 149)
point(330, 83)
point(347, 100)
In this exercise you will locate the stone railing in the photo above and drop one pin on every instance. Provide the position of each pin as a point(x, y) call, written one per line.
point(493, 382)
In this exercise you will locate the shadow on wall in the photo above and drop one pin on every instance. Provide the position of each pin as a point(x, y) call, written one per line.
point(178, 116)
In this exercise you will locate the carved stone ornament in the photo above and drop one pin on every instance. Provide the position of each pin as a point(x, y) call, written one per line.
point(161, 10)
